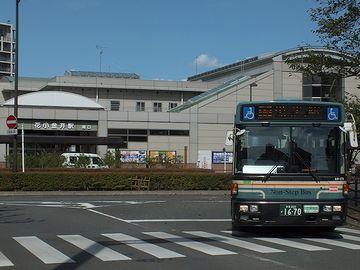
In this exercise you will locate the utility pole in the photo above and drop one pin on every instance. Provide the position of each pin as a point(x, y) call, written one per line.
point(101, 51)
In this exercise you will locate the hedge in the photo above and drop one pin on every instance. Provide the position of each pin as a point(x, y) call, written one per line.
point(111, 180)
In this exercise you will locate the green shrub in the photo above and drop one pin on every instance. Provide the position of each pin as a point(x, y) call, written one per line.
point(41, 159)
point(77, 180)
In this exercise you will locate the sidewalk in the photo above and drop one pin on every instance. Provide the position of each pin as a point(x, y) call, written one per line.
point(353, 218)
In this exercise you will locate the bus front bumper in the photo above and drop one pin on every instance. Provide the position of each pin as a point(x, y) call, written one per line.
point(311, 214)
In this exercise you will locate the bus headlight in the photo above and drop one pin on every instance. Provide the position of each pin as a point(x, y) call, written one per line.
point(254, 208)
point(243, 208)
point(327, 208)
point(337, 208)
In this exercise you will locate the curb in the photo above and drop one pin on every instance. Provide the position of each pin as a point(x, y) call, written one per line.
point(115, 193)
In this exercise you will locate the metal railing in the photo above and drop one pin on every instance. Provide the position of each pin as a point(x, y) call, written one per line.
point(354, 199)
point(354, 196)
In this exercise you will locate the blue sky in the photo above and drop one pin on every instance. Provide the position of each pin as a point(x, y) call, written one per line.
point(157, 39)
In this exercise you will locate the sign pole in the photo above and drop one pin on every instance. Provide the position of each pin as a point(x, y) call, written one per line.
point(22, 148)
point(224, 150)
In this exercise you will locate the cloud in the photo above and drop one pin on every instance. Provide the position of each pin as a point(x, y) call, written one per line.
point(204, 60)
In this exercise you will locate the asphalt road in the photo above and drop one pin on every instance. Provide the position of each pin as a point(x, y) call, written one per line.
point(156, 231)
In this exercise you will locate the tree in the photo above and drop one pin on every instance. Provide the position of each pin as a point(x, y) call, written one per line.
point(338, 28)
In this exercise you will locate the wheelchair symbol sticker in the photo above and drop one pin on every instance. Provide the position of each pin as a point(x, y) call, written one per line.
point(248, 113)
point(332, 114)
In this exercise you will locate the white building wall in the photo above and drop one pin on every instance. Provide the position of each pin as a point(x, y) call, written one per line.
point(292, 85)
point(352, 85)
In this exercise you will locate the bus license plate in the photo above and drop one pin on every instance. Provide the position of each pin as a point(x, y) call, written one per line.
point(290, 210)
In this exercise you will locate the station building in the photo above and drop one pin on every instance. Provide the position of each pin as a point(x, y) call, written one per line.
point(100, 112)
point(7, 52)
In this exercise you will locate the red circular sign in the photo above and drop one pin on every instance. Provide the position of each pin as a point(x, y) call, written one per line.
point(11, 121)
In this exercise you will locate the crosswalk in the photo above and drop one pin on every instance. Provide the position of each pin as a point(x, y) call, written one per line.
point(164, 245)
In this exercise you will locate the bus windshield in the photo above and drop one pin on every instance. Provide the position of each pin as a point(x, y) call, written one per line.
point(295, 149)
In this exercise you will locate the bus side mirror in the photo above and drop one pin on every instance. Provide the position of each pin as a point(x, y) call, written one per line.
point(240, 132)
point(351, 131)
point(350, 128)
point(229, 139)
point(231, 134)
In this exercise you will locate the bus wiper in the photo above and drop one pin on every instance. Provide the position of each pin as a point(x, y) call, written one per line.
point(267, 176)
point(303, 162)
point(277, 162)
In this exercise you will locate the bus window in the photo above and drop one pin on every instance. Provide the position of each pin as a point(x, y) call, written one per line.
point(293, 149)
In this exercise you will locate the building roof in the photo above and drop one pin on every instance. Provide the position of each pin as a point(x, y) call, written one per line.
point(256, 60)
point(210, 93)
point(55, 99)
point(121, 75)
point(240, 67)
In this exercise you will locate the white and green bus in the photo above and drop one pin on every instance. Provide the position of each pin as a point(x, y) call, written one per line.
point(289, 165)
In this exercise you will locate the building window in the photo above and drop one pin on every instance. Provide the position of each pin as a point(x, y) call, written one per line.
point(172, 105)
point(138, 139)
point(159, 132)
point(117, 131)
point(140, 106)
point(326, 87)
point(114, 105)
point(157, 107)
point(138, 131)
point(179, 133)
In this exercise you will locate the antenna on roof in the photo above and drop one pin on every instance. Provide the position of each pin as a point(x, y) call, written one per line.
point(101, 51)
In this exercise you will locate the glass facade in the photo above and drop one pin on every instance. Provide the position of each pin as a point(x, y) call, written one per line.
point(325, 87)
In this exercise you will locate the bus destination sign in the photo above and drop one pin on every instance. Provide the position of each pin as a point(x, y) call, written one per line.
point(273, 112)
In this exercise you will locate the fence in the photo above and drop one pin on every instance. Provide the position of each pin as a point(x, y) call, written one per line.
point(354, 196)
point(354, 199)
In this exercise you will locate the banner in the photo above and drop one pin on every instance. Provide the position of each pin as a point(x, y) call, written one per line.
point(138, 156)
point(218, 157)
point(162, 155)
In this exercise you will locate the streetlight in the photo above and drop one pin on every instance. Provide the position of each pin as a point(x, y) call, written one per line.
point(16, 88)
point(251, 86)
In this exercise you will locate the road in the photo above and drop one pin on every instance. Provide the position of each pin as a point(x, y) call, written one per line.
point(156, 231)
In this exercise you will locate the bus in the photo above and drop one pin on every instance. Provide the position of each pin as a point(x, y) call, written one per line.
point(289, 166)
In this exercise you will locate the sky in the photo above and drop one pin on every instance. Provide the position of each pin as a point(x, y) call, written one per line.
point(156, 39)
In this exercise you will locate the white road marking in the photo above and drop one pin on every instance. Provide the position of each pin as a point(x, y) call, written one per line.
point(350, 237)
point(101, 252)
point(199, 246)
point(129, 202)
point(348, 230)
point(76, 205)
point(161, 220)
point(334, 243)
point(235, 242)
point(106, 215)
point(292, 244)
point(179, 220)
point(141, 245)
point(5, 261)
point(42, 250)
